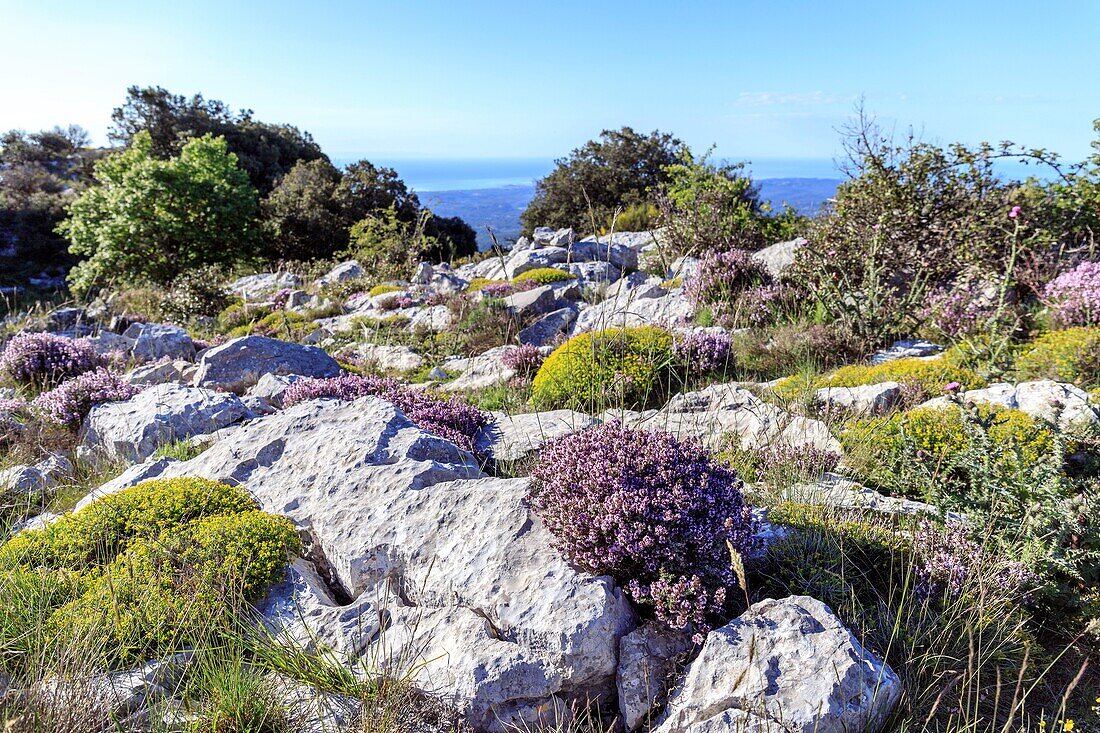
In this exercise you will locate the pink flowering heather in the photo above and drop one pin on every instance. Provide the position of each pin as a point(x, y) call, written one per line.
point(395, 302)
point(1074, 296)
point(703, 352)
point(46, 359)
point(279, 300)
point(950, 561)
point(498, 290)
point(524, 360)
point(449, 418)
point(651, 511)
point(957, 312)
point(722, 276)
point(70, 402)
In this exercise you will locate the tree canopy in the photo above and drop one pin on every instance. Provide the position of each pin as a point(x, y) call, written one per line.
point(622, 168)
point(152, 219)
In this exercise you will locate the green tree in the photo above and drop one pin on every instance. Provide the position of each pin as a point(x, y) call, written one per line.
point(265, 151)
point(621, 169)
point(151, 219)
point(303, 220)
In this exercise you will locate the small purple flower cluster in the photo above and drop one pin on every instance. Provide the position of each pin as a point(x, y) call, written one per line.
point(15, 406)
point(801, 460)
point(449, 418)
point(523, 360)
point(722, 276)
point(758, 305)
point(653, 512)
point(703, 352)
point(394, 302)
point(498, 290)
point(278, 301)
point(45, 358)
point(71, 401)
point(950, 560)
point(957, 312)
point(1074, 296)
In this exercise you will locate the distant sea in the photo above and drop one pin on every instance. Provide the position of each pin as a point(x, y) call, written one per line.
point(492, 193)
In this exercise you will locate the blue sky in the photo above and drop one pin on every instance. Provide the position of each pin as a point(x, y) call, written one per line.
point(521, 79)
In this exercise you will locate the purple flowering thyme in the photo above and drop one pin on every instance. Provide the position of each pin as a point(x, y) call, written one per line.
point(71, 401)
point(449, 418)
point(1074, 296)
point(703, 352)
point(653, 512)
point(47, 359)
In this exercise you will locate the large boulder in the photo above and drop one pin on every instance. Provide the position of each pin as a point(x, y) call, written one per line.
point(158, 341)
point(533, 302)
point(670, 310)
point(549, 327)
point(390, 356)
point(779, 257)
point(479, 372)
point(239, 363)
point(523, 261)
point(422, 561)
point(133, 429)
point(605, 250)
point(785, 665)
point(865, 399)
point(906, 349)
point(649, 658)
point(341, 273)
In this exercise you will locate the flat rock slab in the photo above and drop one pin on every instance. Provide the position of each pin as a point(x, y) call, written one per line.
point(1042, 399)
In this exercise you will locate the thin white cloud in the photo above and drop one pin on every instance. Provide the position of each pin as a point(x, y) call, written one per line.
point(771, 99)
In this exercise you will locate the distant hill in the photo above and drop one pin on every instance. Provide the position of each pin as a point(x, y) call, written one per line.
point(499, 208)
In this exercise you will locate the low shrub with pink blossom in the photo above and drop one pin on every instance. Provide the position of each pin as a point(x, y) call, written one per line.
point(71, 401)
point(45, 359)
point(950, 561)
point(703, 352)
point(653, 512)
point(523, 360)
point(957, 312)
point(722, 276)
point(1074, 296)
point(447, 417)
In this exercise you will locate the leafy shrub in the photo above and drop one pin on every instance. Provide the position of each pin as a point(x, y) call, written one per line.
point(280, 324)
point(383, 289)
point(543, 276)
point(703, 352)
point(196, 293)
point(634, 218)
point(144, 221)
point(929, 376)
point(523, 360)
point(71, 401)
point(618, 366)
point(96, 534)
point(480, 282)
point(44, 359)
point(935, 436)
point(957, 312)
point(1074, 296)
point(239, 313)
point(481, 324)
point(651, 511)
point(448, 417)
point(1071, 355)
point(777, 352)
point(149, 569)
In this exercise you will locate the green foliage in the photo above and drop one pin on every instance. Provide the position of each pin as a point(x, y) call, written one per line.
point(481, 324)
point(41, 172)
point(266, 152)
point(913, 217)
point(180, 450)
point(1071, 355)
point(480, 282)
point(144, 571)
point(618, 367)
point(383, 289)
point(715, 206)
point(387, 246)
point(801, 347)
point(303, 219)
point(634, 218)
point(280, 324)
point(929, 376)
point(620, 170)
point(152, 219)
point(543, 276)
point(196, 293)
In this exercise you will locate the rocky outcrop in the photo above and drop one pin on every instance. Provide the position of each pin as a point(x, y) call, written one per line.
point(154, 341)
point(632, 309)
point(779, 257)
point(785, 665)
point(478, 372)
point(133, 429)
point(1043, 399)
point(512, 437)
point(255, 287)
point(712, 413)
point(239, 363)
point(906, 349)
point(341, 273)
point(649, 659)
point(386, 356)
point(425, 562)
point(867, 399)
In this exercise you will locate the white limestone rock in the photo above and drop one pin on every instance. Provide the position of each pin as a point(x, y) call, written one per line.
point(512, 437)
point(785, 665)
point(239, 363)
